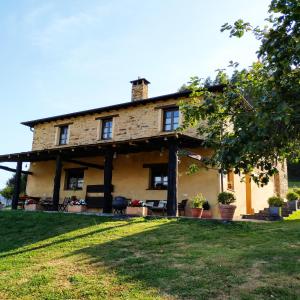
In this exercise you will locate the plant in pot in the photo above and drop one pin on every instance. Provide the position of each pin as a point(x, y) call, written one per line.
point(275, 205)
point(206, 212)
point(227, 210)
point(292, 198)
point(196, 205)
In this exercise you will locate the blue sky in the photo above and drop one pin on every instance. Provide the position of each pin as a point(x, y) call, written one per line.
point(62, 56)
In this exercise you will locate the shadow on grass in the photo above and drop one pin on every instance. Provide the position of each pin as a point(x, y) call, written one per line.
point(19, 228)
point(200, 260)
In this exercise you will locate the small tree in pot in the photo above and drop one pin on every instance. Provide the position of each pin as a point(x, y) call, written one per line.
point(197, 203)
point(275, 204)
point(227, 210)
point(206, 212)
point(292, 198)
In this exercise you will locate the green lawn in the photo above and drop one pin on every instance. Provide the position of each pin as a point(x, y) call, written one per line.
point(61, 256)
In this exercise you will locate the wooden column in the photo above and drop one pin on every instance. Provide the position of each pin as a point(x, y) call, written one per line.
point(172, 179)
point(16, 195)
point(108, 165)
point(57, 179)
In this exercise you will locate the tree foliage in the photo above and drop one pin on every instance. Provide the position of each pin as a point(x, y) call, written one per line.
point(7, 192)
point(255, 122)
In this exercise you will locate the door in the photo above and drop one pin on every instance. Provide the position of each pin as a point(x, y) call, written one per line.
point(249, 209)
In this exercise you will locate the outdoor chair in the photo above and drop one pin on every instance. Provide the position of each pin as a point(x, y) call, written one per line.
point(63, 206)
point(157, 206)
point(182, 206)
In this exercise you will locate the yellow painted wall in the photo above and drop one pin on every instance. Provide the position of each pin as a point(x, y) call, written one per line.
point(130, 179)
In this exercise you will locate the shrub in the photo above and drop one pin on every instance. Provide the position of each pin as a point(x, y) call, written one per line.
point(226, 198)
point(291, 196)
point(275, 201)
point(206, 205)
point(198, 201)
point(297, 191)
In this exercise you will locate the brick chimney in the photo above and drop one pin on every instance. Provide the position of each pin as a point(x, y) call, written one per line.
point(139, 89)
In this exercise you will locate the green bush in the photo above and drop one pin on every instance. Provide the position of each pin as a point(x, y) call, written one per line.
point(226, 198)
point(275, 201)
point(198, 201)
point(292, 196)
point(206, 205)
point(297, 191)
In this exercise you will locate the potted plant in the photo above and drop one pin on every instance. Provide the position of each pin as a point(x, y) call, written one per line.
point(292, 198)
point(227, 210)
point(196, 206)
point(206, 212)
point(275, 204)
point(76, 206)
point(137, 208)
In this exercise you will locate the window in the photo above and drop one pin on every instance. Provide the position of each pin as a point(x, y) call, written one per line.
point(63, 135)
point(171, 119)
point(106, 133)
point(159, 177)
point(230, 180)
point(74, 179)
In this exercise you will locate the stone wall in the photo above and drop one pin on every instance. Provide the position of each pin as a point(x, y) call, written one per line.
point(128, 123)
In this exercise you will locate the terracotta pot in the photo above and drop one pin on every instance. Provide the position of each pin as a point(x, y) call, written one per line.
point(196, 212)
point(206, 214)
point(227, 211)
point(137, 211)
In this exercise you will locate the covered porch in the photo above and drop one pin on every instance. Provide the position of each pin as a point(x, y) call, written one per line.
point(110, 165)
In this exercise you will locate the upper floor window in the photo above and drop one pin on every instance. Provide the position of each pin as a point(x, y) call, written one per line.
point(171, 119)
point(63, 135)
point(106, 133)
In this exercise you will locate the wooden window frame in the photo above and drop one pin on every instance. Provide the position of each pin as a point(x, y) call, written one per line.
point(67, 179)
point(162, 170)
point(66, 139)
point(173, 124)
point(104, 121)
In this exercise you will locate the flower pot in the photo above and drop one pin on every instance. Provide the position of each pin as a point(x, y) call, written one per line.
point(76, 208)
point(275, 213)
point(206, 214)
point(227, 211)
point(293, 205)
point(32, 207)
point(137, 211)
point(196, 212)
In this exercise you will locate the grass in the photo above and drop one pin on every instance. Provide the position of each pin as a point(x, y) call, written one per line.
point(62, 256)
point(294, 184)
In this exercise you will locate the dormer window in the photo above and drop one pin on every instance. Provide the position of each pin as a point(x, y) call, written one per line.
point(171, 119)
point(63, 135)
point(107, 125)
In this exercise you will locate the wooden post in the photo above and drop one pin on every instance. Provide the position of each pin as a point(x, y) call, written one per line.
point(108, 165)
point(57, 179)
point(172, 179)
point(16, 195)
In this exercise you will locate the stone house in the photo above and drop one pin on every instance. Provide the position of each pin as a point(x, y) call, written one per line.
point(129, 149)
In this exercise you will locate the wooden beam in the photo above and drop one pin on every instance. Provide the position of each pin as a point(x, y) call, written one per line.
point(172, 179)
point(14, 170)
point(57, 178)
point(108, 166)
point(16, 194)
point(85, 164)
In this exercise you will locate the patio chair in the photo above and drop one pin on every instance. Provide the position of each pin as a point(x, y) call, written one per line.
point(182, 206)
point(157, 206)
point(63, 206)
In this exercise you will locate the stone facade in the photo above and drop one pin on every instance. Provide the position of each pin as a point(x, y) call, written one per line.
point(139, 89)
point(128, 123)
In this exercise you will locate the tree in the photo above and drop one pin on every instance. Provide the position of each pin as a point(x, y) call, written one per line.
point(255, 122)
point(7, 192)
